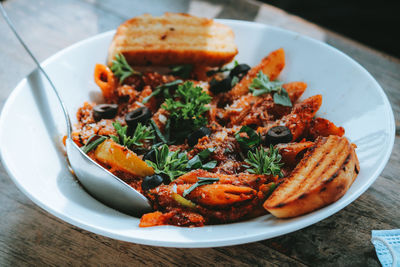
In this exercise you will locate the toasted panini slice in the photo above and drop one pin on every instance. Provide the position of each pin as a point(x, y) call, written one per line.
point(173, 39)
point(323, 176)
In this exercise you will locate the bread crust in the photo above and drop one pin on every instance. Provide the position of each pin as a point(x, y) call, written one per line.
point(173, 39)
point(323, 176)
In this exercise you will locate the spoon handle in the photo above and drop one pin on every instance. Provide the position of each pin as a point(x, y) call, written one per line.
point(10, 24)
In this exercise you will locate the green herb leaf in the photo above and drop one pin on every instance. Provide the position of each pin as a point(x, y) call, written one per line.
point(219, 70)
point(194, 163)
point(262, 85)
point(272, 187)
point(170, 163)
point(204, 154)
point(197, 161)
point(162, 88)
point(183, 201)
point(282, 98)
point(158, 132)
point(183, 71)
point(142, 134)
point(200, 181)
point(186, 110)
point(264, 161)
point(234, 81)
point(121, 68)
point(248, 143)
point(93, 142)
point(114, 138)
point(209, 165)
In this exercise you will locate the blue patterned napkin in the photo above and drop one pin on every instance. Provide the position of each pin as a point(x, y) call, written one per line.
point(387, 246)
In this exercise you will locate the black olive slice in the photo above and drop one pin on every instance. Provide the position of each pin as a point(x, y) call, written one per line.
point(105, 111)
point(150, 155)
point(150, 182)
point(277, 135)
point(141, 115)
point(166, 179)
point(221, 86)
point(239, 71)
point(194, 137)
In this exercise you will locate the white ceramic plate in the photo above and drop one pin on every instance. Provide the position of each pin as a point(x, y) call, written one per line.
point(32, 126)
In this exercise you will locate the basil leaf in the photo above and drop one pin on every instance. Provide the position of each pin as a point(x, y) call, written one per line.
point(258, 92)
point(209, 165)
point(282, 98)
point(194, 163)
point(204, 154)
point(262, 85)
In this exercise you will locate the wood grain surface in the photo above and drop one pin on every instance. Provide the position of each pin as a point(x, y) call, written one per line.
point(31, 236)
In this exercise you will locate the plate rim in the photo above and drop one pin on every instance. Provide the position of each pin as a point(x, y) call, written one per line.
point(308, 220)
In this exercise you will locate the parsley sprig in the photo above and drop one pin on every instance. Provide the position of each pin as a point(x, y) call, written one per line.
point(142, 134)
point(200, 181)
point(186, 110)
point(264, 161)
point(173, 164)
point(121, 68)
point(262, 85)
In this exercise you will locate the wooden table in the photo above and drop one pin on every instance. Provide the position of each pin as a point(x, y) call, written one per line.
point(31, 236)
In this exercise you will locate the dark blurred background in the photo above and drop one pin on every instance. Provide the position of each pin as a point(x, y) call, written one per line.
point(373, 23)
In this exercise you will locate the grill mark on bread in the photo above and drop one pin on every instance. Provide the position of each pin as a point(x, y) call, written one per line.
point(342, 142)
point(356, 169)
point(280, 205)
point(327, 182)
point(341, 160)
point(173, 39)
point(332, 177)
point(302, 195)
point(329, 149)
point(329, 154)
point(302, 173)
point(347, 159)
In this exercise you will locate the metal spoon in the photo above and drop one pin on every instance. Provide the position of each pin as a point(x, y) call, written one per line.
point(99, 182)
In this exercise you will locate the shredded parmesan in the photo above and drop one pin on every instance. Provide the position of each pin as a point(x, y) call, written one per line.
point(162, 118)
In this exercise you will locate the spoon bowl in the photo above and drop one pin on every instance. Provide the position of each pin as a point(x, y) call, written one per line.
point(100, 183)
point(103, 185)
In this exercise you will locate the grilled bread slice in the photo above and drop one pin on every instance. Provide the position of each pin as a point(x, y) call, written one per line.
point(173, 39)
point(323, 176)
